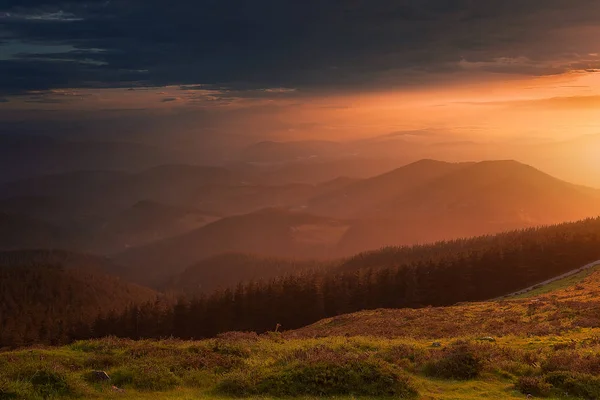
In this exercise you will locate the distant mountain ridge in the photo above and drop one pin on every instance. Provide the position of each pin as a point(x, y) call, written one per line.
point(23, 156)
point(270, 232)
point(225, 271)
point(474, 199)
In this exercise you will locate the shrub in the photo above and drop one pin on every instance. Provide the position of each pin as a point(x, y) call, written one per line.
point(203, 358)
point(510, 369)
point(238, 384)
point(122, 377)
point(533, 385)
point(359, 378)
point(199, 379)
point(320, 353)
point(153, 378)
point(146, 377)
point(573, 362)
point(404, 356)
point(227, 348)
point(575, 384)
point(101, 361)
point(6, 390)
point(404, 352)
point(49, 383)
point(459, 363)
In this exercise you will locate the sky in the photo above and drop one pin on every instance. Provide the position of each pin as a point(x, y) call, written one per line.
point(495, 70)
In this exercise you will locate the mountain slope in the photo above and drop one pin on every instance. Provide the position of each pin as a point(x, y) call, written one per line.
point(271, 232)
point(45, 295)
point(364, 197)
point(481, 198)
point(143, 223)
point(163, 182)
point(499, 191)
point(225, 271)
point(574, 306)
point(46, 155)
point(20, 231)
point(276, 152)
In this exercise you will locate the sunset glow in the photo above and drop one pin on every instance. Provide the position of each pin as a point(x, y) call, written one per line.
point(297, 199)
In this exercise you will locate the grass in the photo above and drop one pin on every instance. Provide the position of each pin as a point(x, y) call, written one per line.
point(544, 346)
point(561, 312)
point(340, 367)
point(567, 282)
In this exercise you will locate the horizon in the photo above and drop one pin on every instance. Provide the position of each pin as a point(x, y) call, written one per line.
point(435, 73)
point(337, 199)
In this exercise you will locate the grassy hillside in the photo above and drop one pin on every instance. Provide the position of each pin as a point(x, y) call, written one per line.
point(543, 347)
point(568, 309)
point(554, 285)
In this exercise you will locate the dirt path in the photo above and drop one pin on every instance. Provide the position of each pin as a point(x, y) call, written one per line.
point(549, 281)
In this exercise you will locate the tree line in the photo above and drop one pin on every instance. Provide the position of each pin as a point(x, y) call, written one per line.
point(474, 270)
point(52, 304)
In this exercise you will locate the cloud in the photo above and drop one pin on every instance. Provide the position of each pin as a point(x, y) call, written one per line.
point(562, 103)
point(307, 45)
point(41, 16)
point(557, 103)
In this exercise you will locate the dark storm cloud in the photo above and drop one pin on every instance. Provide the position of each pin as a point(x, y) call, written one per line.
point(249, 45)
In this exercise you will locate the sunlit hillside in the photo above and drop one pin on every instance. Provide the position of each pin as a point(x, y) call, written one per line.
point(299, 199)
point(541, 346)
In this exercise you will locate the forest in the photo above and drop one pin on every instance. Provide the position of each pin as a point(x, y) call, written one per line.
point(420, 276)
point(474, 270)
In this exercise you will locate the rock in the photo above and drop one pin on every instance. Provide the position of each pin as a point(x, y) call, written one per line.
point(487, 339)
point(117, 390)
point(100, 376)
point(436, 344)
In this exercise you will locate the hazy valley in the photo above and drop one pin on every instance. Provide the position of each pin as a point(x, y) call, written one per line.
point(283, 199)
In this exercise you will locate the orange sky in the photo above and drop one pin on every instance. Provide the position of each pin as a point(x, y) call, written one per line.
point(492, 107)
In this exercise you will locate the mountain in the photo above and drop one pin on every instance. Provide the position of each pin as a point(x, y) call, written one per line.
point(101, 194)
point(109, 211)
point(270, 232)
point(90, 199)
point(499, 191)
point(270, 152)
point(365, 196)
point(143, 223)
point(225, 271)
point(24, 156)
point(317, 171)
point(23, 232)
point(162, 183)
point(43, 208)
point(480, 198)
point(47, 295)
